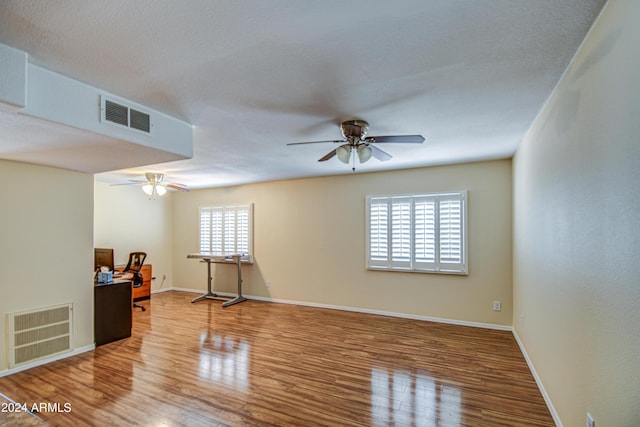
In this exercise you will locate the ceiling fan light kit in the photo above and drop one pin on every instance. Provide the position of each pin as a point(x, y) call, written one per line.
point(150, 189)
point(357, 142)
point(153, 188)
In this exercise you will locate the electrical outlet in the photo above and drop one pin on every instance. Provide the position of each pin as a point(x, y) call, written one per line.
point(590, 422)
point(497, 306)
point(267, 284)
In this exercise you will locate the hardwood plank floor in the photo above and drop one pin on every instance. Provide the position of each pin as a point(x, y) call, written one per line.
point(259, 363)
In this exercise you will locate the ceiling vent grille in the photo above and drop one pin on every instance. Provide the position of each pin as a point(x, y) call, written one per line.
point(118, 113)
point(139, 120)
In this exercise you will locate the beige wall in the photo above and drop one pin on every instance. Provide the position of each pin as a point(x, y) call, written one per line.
point(46, 247)
point(576, 230)
point(127, 220)
point(309, 239)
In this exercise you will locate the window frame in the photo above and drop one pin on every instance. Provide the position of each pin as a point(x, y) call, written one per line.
point(380, 256)
point(225, 211)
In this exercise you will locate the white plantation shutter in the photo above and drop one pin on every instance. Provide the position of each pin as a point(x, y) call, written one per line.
point(424, 226)
point(379, 231)
point(210, 229)
point(421, 232)
point(226, 229)
point(401, 232)
point(205, 230)
point(229, 234)
point(242, 231)
point(450, 231)
point(216, 231)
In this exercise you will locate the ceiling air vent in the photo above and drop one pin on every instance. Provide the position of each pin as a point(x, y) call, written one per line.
point(118, 113)
point(139, 120)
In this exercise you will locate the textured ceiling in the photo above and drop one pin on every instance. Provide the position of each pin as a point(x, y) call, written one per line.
point(254, 75)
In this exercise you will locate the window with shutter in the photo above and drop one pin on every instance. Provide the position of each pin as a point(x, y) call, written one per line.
point(226, 229)
point(417, 232)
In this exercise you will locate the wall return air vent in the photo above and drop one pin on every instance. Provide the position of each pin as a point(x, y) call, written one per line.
point(118, 113)
point(39, 333)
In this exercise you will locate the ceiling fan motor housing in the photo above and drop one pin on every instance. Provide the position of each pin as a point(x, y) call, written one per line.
point(354, 129)
point(154, 177)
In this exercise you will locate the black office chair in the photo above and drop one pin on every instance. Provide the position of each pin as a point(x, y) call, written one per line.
point(136, 260)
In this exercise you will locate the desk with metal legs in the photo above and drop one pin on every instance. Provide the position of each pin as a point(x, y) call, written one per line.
point(224, 259)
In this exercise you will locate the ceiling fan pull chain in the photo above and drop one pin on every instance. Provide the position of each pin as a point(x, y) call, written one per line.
point(353, 160)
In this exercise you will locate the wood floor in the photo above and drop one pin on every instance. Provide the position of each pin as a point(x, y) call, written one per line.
point(262, 364)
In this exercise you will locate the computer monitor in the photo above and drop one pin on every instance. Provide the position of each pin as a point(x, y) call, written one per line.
point(102, 257)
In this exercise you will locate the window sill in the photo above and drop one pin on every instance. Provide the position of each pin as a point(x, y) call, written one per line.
point(409, 270)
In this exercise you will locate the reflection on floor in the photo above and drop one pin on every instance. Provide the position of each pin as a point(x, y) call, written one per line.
point(224, 359)
point(420, 399)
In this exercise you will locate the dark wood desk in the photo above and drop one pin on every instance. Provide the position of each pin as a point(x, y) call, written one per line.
point(143, 292)
point(113, 317)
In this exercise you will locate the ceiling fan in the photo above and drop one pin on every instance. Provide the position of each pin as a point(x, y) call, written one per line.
point(356, 142)
point(154, 185)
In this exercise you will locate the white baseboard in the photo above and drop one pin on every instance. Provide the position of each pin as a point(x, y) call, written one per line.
point(386, 313)
point(47, 360)
point(545, 395)
point(359, 310)
point(193, 291)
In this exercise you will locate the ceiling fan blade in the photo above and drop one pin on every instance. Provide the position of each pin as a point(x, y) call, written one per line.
point(131, 182)
point(327, 156)
point(383, 156)
point(405, 139)
point(176, 186)
point(316, 142)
